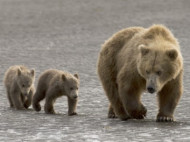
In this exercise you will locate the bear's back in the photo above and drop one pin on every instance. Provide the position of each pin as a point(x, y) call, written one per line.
point(49, 76)
point(114, 44)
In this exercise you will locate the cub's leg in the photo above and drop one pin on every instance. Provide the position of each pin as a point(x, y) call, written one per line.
point(51, 96)
point(168, 99)
point(28, 100)
point(111, 113)
point(10, 100)
point(38, 96)
point(17, 100)
point(72, 104)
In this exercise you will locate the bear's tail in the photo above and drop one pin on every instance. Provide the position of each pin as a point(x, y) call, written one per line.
point(36, 101)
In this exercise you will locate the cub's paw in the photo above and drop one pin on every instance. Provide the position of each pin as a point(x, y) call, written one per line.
point(49, 111)
point(164, 119)
point(36, 107)
point(111, 114)
point(138, 114)
point(72, 113)
point(20, 108)
point(26, 106)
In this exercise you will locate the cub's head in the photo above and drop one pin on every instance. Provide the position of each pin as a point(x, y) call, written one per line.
point(158, 64)
point(71, 85)
point(25, 80)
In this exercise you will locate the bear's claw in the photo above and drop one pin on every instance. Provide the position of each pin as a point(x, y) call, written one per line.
point(20, 108)
point(73, 113)
point(138, 114)
point(164, 119)
point(112, 115)
point(50, 112)
point(37, 107)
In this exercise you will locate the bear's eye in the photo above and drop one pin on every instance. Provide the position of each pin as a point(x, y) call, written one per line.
point(23, 85)
point(147, 72)
point(71, 88)
point(158, 73)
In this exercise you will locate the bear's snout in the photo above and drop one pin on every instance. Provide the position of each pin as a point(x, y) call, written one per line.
point(75, 97)
point(150, 89)
point(25, 94)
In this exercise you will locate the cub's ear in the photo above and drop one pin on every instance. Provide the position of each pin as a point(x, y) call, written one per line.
point(143, 49)
point(63, 77)
point(76, 75)
point(172, 54)
point(19, 72)
point(32, 72)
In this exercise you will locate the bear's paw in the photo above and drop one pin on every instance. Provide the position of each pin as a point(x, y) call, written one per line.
point(164, 119)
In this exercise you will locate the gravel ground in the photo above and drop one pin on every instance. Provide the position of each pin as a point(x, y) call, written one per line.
point(67, 35)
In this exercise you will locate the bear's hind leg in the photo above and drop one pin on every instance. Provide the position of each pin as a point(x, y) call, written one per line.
point(168, 99)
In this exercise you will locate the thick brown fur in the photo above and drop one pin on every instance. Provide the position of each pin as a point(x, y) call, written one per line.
point(19, 84)
point(135, 60)
point(53, 84)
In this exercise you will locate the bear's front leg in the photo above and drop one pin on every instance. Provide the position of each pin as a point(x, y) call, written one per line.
point(17, 100)
point(51, 96)
point(10, 100)
point(130, 96)
point(72, 105)
point(111, 113)
point(168, 99)
point(48, 107)
point(28, 100)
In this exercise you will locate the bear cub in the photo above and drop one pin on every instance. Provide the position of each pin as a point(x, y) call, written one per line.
point(19, 84)
point(53, 84)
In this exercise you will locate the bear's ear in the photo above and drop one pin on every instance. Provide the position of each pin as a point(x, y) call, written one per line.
point(144, 50)
point(19, 72)
point(63, 77)
point(76, 75)
point(172, 54)
point(32, 72)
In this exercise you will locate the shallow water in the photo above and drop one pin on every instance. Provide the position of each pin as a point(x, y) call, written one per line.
point(67, 35)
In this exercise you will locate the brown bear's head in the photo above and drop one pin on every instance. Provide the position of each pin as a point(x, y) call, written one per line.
point(25, 80)
point(158, 63)
point(71, 85)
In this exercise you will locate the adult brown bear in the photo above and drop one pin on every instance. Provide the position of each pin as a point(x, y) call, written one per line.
point(135, 60)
